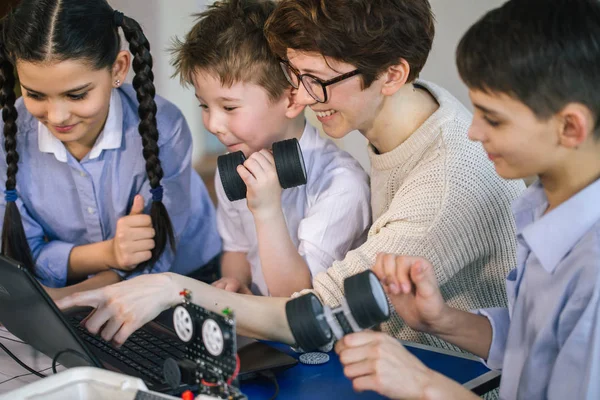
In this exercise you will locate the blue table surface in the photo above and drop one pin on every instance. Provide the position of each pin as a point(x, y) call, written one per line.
point(327, 381)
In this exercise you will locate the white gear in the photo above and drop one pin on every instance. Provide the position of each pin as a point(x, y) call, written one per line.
point(184, 326)
point(212, 336)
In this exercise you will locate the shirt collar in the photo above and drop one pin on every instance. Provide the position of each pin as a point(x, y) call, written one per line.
point(307, 133)
point(308, 144)
point(109, 138)
point(553, 235)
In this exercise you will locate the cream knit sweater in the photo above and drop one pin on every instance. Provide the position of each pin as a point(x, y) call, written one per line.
point(437, 196)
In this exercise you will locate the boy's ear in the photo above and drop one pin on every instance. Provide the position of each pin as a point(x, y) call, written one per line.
point(120, 67)
point(577, 124)
point(395, 77)
point(293, 109)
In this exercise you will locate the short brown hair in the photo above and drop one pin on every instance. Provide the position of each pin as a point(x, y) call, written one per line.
point(372, 35)
point(228, 41)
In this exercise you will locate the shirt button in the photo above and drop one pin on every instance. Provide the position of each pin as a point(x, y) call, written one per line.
point(82, 174)
point(90, 210)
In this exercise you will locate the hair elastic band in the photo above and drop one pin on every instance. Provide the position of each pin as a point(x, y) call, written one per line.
point(118, 18)
point(157, 193)
point(10, 195)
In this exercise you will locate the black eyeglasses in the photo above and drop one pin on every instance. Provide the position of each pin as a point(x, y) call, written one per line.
point(313, 85)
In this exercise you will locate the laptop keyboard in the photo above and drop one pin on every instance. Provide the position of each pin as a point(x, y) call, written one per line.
point(144, 351)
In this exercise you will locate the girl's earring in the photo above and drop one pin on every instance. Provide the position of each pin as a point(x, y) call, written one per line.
point(118, 83)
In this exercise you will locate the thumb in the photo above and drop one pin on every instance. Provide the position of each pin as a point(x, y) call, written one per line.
point(90, 298)
point(246, 175)
point(138, 205)
point(422, 275)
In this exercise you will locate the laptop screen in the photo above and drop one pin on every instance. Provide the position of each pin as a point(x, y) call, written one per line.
point(29, 313)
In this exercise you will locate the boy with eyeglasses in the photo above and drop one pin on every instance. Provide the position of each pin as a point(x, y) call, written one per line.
point(433, 192)
point(276, 241)
point(314, 86)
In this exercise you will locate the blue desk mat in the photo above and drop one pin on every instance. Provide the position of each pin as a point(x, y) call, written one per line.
point(327, 381)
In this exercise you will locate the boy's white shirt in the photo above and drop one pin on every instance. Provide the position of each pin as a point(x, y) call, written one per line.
point(326, 218)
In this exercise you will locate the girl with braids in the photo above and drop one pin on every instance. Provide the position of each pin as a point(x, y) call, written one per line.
point(83, 160)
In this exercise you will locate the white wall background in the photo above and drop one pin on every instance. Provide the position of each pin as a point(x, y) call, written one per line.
point(162, 20)
point(453, 18)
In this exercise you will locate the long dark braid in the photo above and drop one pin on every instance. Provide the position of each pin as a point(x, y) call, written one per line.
point(14, 240)
point(143, 83)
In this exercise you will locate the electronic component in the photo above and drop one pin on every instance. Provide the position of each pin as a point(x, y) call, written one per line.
point(211, 351)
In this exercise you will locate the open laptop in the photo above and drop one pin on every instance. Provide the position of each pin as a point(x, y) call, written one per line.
point(29, 313)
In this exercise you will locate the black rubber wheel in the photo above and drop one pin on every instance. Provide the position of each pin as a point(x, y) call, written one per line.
point(366, 299)
point(307, 322)
point(172, 373)
point(234, 186)
point(289, 163)
point(176, 372)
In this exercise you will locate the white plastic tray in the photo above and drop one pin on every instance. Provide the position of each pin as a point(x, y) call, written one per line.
point(82, 383)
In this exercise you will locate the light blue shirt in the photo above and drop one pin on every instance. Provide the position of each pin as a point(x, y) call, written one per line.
point(547, 343)
point(66, 203)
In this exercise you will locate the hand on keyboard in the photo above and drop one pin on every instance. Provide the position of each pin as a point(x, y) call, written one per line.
point(123, 308)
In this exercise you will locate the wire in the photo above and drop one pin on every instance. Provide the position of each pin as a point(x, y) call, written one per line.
point(77, 353)
point(230, 380)
point(209, 384)
point(271, 377)
point(12, 340)
point(21, 363)
point(22, 375)
point(236, 371)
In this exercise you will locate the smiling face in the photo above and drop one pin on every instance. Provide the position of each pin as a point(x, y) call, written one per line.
point(349, 107)
point(518, 142)
point(242, 116)
point(69, 97)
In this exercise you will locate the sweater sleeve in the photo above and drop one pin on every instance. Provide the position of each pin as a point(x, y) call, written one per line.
point(405, 228)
